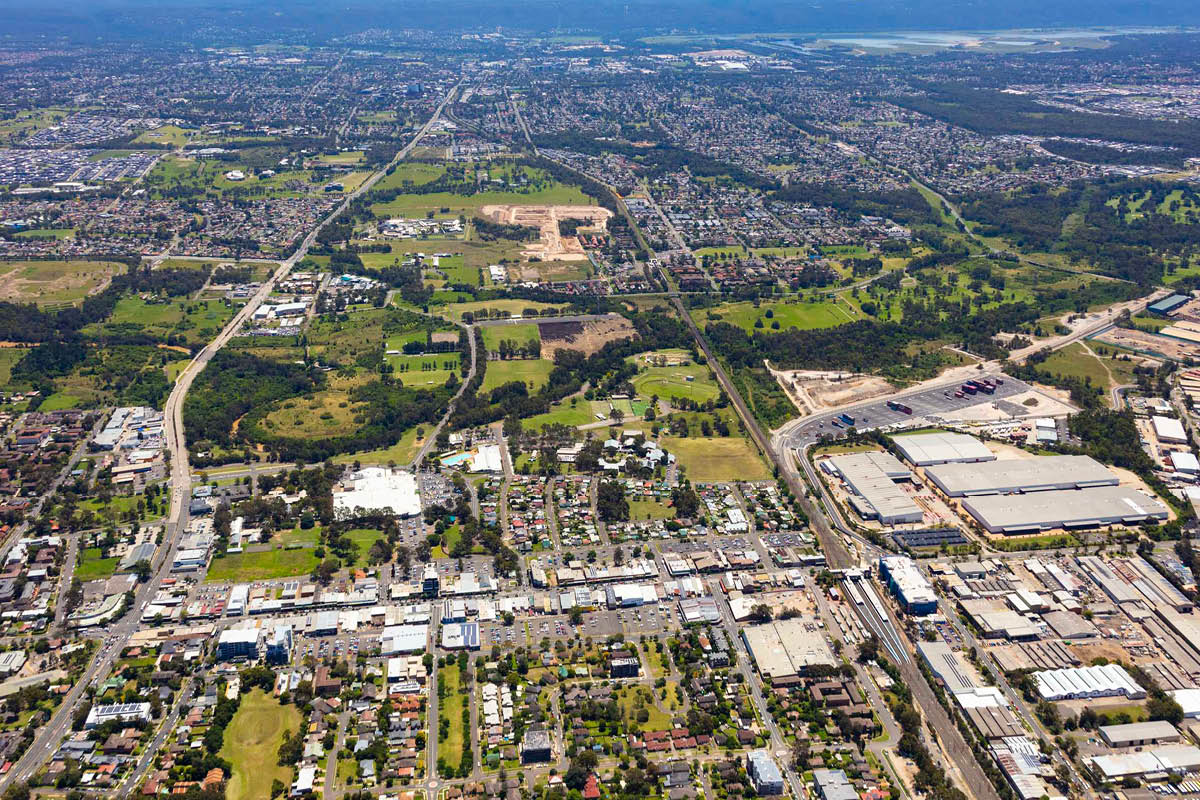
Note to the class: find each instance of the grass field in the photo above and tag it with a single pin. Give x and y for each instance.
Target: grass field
(54, 283)
(581, 413)
(534, 372)
(93, 566)
(60, 401)
(649, 509)
(317, 416)
(9, 356)
(37, 233)
(425, 371)
(514, 308)
(668, 382)
(251, 745)
(401, 452)
(450, 707)
(805, 316)
(262, 565)
(1077, 361)
(167, 134)
(520, 332)
(542, 190)
(713, 460)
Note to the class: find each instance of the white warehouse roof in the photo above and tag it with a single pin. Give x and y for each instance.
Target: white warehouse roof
(378, 488)
(925, 449)
(1021, 475)
(1169, 429)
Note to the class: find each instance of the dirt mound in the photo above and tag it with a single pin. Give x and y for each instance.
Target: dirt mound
(586, 337)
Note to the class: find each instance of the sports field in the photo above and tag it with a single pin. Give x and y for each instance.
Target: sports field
(519, 332)
(668, 382)
(252, 741)
(714, 460)
(533, 372)
(425, 371)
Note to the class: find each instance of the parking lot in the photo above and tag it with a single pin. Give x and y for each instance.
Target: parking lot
(929, 402)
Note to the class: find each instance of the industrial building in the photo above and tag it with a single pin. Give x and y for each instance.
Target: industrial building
(997, 621)
(1178, 759)
(236, 643)
(955, 672)
(788, 648)
(378, 489)
(1040, 474)
(1109, 680)
(928, 449)
(907, 583)
(764, 773)
(1136, 734)
(1169, 429)
(872, 477)
(1168, 304)
(1072, 508)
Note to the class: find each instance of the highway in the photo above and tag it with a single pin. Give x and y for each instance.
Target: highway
(46, 739)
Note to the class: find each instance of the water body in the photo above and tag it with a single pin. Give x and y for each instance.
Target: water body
(929, 40)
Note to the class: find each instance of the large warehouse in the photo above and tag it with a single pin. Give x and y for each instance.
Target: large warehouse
(1021, 475)
(787, 648)
(1109, 680)
(1071, 508)
(872, 478)
(927, 449)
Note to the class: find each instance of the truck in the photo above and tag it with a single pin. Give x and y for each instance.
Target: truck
(846, 418)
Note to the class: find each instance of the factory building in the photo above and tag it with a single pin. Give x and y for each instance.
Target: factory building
(378, 489)
(1136, 734)
(1109, 680)
(1168, 304)
(1169, 429)
(1041, 474)
(907, 583)
(1077, 508)
(872, 477)
(787, 648)
(1177, 758)
(928, 449)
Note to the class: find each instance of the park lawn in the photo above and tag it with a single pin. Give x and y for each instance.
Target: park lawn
(716, 460)
(805, 316)
(396, 341)
(649, 509)
(410, 173)
(457, 271)
(54, 283)
(93, 566)
(582, 412)
(262, 565)
(251, 745)
(450, 706)
(321, 415)
(346, 158)
(627, 699)
(519, 332)
(533, 372)
(668, 382)
(426, 371)
(1074, 361)
(363, 538)
(173, 368)
(499, 308)
(402, 452)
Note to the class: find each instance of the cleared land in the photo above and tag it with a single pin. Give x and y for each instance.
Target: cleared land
(251, 745)
(713, 460)
(53, 283)
(519, 332)
(533, 372)
(262, 565)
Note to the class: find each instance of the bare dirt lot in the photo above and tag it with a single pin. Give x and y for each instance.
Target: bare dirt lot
(814, 391)
(1148, 342)
(586, 337)
(553, 246)
(54, 282)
